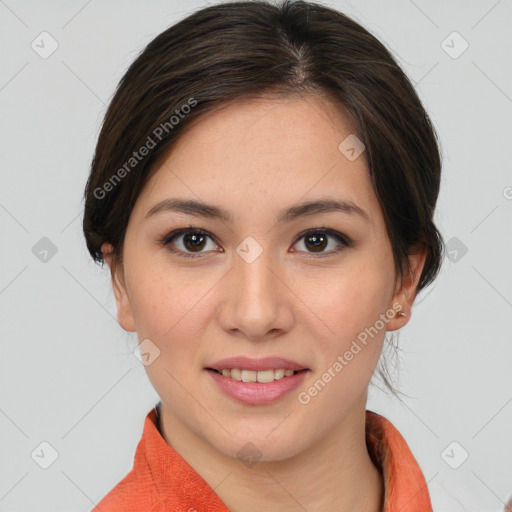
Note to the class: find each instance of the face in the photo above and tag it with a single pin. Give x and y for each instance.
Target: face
(303, 286)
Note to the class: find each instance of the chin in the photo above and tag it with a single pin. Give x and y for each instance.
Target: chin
(255, 448)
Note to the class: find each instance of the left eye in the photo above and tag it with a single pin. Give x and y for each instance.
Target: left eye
(318, 239)
(194, 240)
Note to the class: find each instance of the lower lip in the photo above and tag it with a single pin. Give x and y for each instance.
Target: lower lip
(258, 393)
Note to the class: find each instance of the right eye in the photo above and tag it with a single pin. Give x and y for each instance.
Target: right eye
(190, 240)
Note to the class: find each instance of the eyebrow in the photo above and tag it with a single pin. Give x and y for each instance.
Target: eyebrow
(200, 209)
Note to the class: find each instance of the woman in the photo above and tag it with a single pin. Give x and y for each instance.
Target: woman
(263, 190)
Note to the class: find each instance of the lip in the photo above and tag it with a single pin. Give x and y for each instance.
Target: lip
(257, 393)
(265, 363)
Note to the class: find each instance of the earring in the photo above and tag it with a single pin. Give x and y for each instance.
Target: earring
(400, 313)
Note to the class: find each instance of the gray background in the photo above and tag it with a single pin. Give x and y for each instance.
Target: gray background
(67, 375)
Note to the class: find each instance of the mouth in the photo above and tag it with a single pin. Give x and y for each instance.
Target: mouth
(248, 369)
(257, 381)
(256, 387)
(263, 376)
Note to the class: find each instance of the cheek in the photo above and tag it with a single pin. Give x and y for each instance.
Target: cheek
(165, 301)
(169, 313)
(347, 317)
(350, 349)
(350, 300)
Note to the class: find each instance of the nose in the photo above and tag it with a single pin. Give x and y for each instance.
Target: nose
(256, 299)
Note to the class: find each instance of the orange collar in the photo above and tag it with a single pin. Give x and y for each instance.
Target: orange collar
(161, 480)
(405, 486)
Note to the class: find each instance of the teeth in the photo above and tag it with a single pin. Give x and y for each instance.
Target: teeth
(256, 376)
(278, 374)
(249, 376)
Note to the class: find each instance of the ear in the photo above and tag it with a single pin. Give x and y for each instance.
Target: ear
(124, 308)
(406, 291)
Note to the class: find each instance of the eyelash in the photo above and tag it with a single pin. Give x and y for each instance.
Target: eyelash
(167, 239)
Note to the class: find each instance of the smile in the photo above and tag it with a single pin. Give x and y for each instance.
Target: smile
(244, 386)
(263, 376)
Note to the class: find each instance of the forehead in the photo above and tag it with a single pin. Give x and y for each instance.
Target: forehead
(264, 152)
(281, 128)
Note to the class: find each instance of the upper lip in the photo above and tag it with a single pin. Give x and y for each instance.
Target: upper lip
(264, 363)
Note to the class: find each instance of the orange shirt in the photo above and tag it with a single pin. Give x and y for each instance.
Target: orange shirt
(162, 481)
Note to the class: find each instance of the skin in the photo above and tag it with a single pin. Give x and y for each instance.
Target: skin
(256, 158)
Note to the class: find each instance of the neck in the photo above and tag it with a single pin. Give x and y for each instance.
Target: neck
(336, 473)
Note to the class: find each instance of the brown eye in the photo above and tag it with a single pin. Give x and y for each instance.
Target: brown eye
(194, 241)
(189, 242)
(317, 241)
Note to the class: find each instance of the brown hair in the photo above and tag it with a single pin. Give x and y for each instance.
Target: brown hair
(238, 50)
